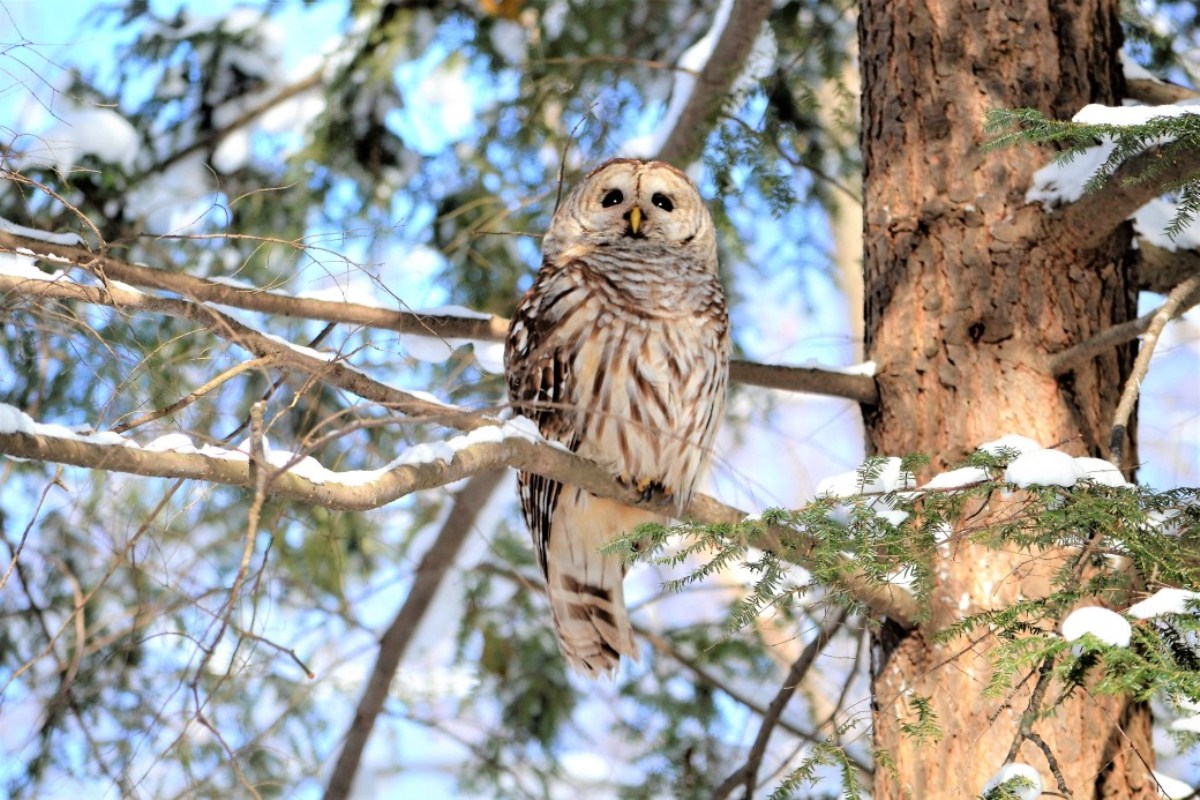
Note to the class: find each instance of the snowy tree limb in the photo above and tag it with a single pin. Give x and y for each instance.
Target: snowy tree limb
(396, 639)
(1092, 217)
(358, 492)
(860, 388)
(728, 56)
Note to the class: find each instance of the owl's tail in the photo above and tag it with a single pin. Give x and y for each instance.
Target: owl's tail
(586, 586)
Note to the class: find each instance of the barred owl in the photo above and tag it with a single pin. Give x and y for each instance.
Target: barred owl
(620, 352)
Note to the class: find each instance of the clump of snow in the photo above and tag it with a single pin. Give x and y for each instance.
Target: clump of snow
(956, 478)
(1164, 601)
(23, 266)
(1031, 789)
(1043, 468)
(866, 368)
(1172, 788)
(1151, 222)
(1107, 626)
(1128, 116)
(14, 420)
(1097, 470)
(1061, 182)
(1011, 441)
(171, 442)
(889, 478)
(489, 355)
(1135, 71)
(80, 132)
(68, 239)
(1187, 725)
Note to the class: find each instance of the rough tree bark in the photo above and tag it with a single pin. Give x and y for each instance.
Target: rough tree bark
(968, 292)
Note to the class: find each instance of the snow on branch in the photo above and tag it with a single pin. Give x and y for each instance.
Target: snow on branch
(492, 445)
(452, 327)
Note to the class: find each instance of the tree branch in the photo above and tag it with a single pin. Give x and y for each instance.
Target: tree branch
(360, 491)
(1161, 270)
(1063, 362)
(728, 57)
(326, 367)
(1157, 93)
(428, 577)
(747, 775)
(1094, 216)
(859, 388)
(1141, 366)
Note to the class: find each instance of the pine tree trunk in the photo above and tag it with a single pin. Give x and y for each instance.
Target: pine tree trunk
(968, 289)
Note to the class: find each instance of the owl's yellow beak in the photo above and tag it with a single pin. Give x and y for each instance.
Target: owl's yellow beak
(635, 218)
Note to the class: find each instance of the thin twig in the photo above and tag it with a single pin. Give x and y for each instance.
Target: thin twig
(1142, 365)
(193, 396)
(747, 775)
(1052, 761)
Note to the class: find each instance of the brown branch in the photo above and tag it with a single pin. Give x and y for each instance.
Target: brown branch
(860, 388)
(1157, 93)
(478, 456)
(331, 371)
(747, 775)
(1094, 216)
(428, 577)
(1141, 366)
(728, 57)
(1063, 362)
(1161, 270)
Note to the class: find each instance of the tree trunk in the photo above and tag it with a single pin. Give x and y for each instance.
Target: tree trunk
(968, 289)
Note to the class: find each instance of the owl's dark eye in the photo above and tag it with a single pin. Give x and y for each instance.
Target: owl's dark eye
(662, 201)
(613, 197)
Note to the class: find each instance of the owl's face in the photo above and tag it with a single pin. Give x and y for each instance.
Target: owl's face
(630, 205)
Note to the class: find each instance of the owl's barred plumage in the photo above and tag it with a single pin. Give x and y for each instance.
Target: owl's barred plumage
(620, 352)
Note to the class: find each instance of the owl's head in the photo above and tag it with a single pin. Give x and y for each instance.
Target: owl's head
(633, 206)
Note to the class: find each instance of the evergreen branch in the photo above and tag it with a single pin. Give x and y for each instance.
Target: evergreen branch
(1091, 218)
(831, 382)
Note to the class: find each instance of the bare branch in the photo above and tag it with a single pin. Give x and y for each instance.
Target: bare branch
(1157, 93)
(329, 370)
(1141, 366)
(728, 57)
(436, 561)
(1094, 216)
(1161, 270)
(747, 775)
(1063, 362)
(859, 388)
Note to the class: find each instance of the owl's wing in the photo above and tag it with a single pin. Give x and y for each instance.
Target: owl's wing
(538, 367)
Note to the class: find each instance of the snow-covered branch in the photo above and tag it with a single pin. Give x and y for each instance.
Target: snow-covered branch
(1094, 216)
(477, 327)
(492, 445)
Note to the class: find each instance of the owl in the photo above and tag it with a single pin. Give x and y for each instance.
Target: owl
(619, 352)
